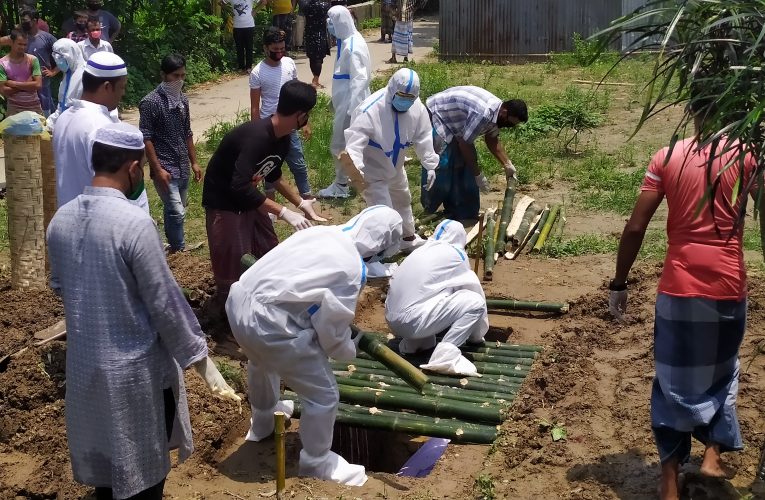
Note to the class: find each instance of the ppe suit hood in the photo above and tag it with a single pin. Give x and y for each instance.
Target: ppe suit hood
(70, 88)
(342, 21)
(376, 229)
(404, 80)
(71, 53)
(451, 232)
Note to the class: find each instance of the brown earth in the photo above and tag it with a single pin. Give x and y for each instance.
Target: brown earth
(593, 379)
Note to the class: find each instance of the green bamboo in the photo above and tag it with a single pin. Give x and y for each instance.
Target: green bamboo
(484, 368)
(488, 260)
(432, 406)
(395, 363)
(504, 219)
(507, 345)
(527, 305)
(428, 218)
(454, 430)
(546, 229)
(500, 352)
(531, 212)
(497, 369)
(494, 358)
(540, 225)
(467, 383)
(247, 261)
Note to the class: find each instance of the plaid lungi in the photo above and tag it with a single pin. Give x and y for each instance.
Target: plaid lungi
(696, 344)
(403, 38)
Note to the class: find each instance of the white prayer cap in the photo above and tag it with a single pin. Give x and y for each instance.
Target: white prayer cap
(120, 135)
(106, 65)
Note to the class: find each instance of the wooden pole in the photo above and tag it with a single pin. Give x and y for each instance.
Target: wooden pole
(479, 239)
(280, 453)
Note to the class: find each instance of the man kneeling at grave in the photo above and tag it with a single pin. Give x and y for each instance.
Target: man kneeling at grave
(434, 290)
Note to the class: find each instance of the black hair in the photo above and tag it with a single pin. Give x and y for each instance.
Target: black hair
(32, 13)
(17, 33)
(272, 34)
(172, 62)
(296, 97)
(81, 13)
(94, 19)
(517, 108)
(91, 83)
(109, 159)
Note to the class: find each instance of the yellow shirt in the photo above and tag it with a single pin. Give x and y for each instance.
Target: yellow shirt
(281, 7)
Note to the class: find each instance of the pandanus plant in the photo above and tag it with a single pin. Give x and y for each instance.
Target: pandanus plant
(710, 59)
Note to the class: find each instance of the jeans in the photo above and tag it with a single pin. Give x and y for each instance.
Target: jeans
(296, 163)
(243, 42)
(174, 202)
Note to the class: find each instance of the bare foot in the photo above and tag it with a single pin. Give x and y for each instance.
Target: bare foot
(713, 466)
(392, 60)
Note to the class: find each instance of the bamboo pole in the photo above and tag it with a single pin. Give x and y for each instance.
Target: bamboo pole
(497, 369)
(247, 261)
(515, 347)
(466, 383)
(483, 368)
(433, 406)
(540, 224)
(546, 229)
(532, 211)
(488, 259)
(499, 352)
(480, 236)
(497, 359)
(527, 305)
(504, 219)
(280, 453)
(395, 363)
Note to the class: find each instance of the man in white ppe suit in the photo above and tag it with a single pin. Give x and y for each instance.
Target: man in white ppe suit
(289, 319)
(434, 290)
(350, 86)
(382, 127)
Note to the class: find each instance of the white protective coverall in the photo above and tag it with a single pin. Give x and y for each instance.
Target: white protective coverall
(350, 81)
(290, 311)
(70, 88)
(434, 290)
(378, 137)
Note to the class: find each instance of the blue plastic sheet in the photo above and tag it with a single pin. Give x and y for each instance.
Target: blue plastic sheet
(25, 123)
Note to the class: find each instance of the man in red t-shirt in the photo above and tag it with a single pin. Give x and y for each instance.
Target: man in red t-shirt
(701, 304)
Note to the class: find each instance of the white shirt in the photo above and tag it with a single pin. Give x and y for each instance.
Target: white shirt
(269, 79)
(242, 13)
(73, 146)
(88, 49)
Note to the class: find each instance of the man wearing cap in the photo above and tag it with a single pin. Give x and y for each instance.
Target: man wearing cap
(130, 331)
(103, 85)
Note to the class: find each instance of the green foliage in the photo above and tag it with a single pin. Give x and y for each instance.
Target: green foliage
(585, 53)
(485, 486)
(607, 182)
(215, 134)
(654, 245)
(371, 23)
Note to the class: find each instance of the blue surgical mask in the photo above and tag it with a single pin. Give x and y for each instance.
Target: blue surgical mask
(331, 28)
(402, 104)
(61, 63)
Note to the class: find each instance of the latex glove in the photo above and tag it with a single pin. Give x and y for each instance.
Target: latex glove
(207, 370)
(294, 219)
(510, 171)
(307, 207)
(617, 303)
(430, 180)
(483, 183)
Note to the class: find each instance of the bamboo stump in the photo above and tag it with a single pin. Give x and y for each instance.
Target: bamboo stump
(48, 181)
(26, 229)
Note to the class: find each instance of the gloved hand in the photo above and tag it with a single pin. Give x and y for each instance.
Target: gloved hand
(307, 207)
(510, 171)
(295, 219)
(430, 180)
(617, 300)
(207, 370)
(483, 183)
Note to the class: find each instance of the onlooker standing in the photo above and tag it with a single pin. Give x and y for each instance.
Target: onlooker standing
(20, 77)
(244, 28)
(166, 126)
(40, 44)
(403, 40)
(701, 303)
(110, 25)
(130, 331)
(266, 81)
(94, 43)
(282, 18)
(80, 31)
(387, 20)
(315, 35)
(237, 214)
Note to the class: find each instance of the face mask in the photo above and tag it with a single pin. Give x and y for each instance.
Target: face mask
(61, 62)
(134, 194)
(331, 28)
(26, 26)
(402, 104)
(95, 34)
(173, 88)
(275, 56)
(82, 26)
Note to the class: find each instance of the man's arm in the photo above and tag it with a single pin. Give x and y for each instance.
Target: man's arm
(469, 155)
(634, 232)
(496, 149)
(287, 191)
(33, 85)
(255, 104)
(112, 22)
(193, 158)
(147, 124)
(5, 41)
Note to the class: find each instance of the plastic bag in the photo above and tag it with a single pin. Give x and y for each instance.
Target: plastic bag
(24, 124)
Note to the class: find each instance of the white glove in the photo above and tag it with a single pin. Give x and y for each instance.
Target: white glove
(430, 180)
(510, 171)
(295, 219)
(617, 303)
(483, 183)
(307, 207)
(207, 370)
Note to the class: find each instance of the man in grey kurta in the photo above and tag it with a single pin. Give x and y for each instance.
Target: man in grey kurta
(129, 329)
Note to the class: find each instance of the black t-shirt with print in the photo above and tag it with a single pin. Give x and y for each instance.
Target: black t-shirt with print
(247, 154)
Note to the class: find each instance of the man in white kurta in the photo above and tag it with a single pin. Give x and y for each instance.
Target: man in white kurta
(129, 331)
(432, 291)
(382, 128)
(103, 82)
(292, 310)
